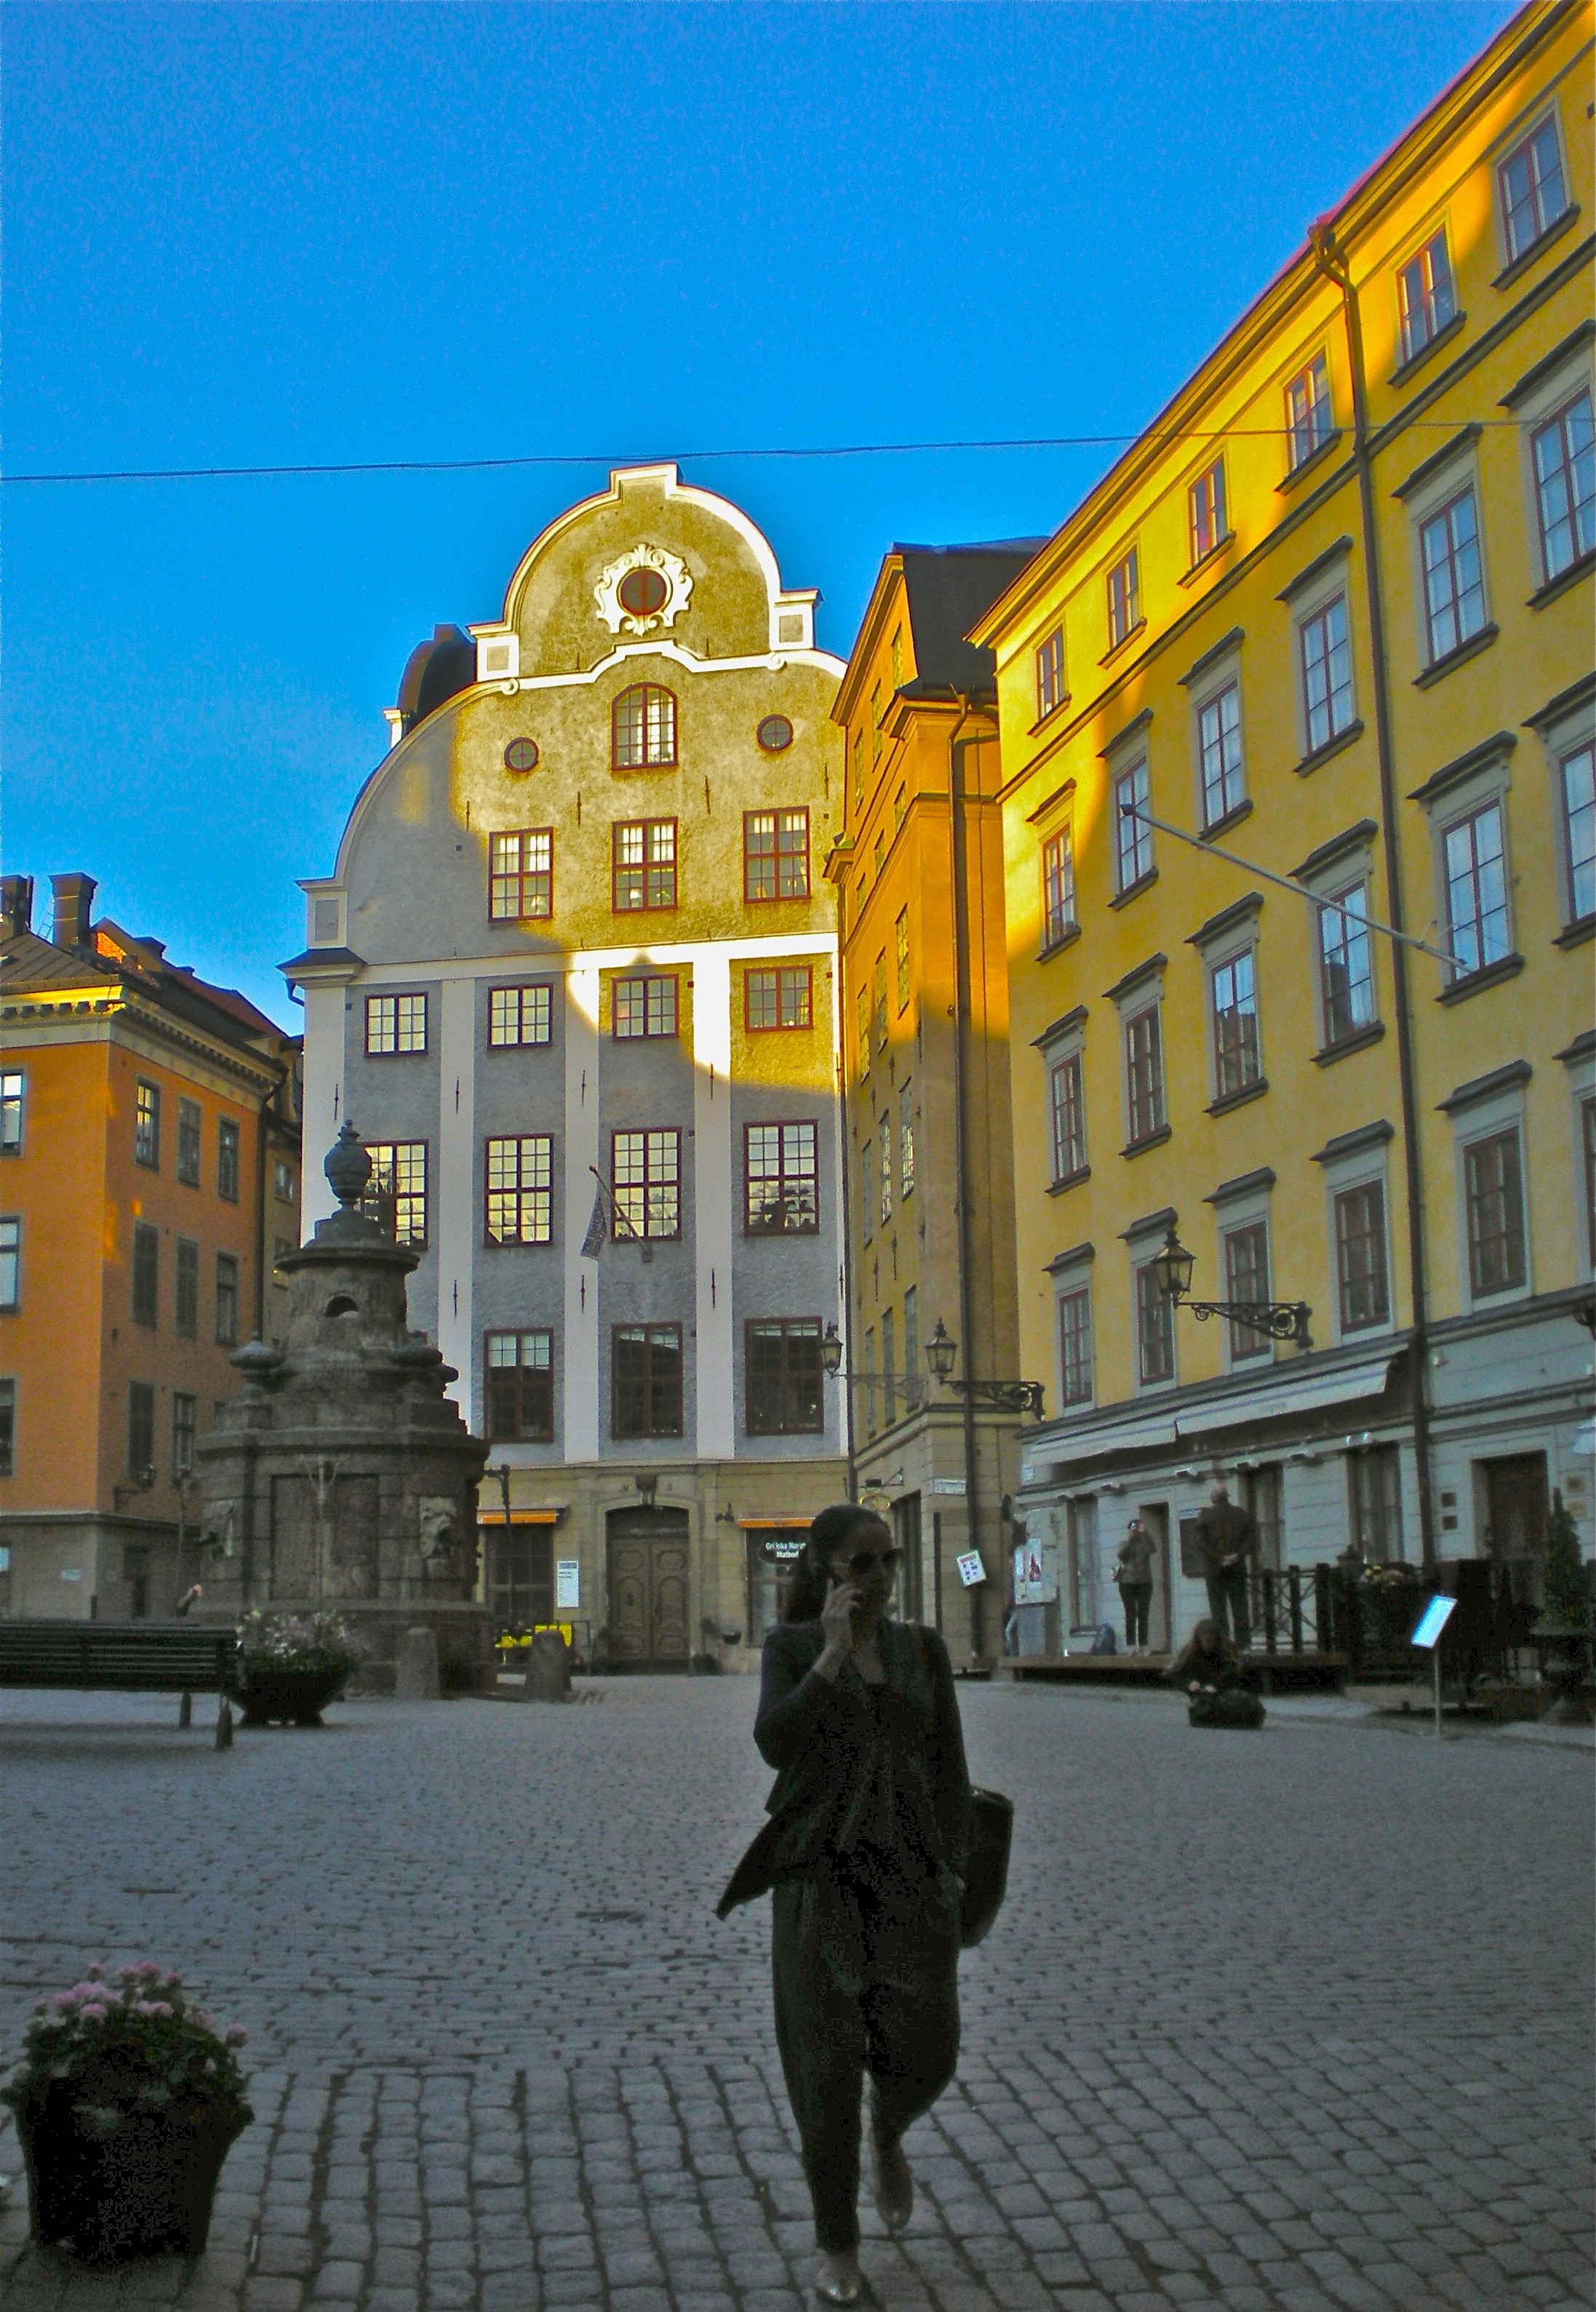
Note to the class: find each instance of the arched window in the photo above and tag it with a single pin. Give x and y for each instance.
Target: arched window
(643, 728)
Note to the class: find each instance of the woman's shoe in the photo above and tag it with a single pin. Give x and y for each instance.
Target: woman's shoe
(838, 2286)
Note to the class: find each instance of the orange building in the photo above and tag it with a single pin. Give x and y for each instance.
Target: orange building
(148, 1165)
(918, 872)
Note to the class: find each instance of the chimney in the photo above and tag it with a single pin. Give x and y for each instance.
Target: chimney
(74, 897)
(16, 904)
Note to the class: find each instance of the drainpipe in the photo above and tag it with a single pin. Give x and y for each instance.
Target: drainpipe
(978, 1618)
(1334, 263)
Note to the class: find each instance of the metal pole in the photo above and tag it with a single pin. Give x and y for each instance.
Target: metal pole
(1336, 266)
(1435, 1656)
(961, 986)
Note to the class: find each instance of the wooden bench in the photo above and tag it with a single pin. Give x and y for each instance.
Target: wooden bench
(125, 1658)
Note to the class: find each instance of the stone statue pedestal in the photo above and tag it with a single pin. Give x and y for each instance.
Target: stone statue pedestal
(341, 1478)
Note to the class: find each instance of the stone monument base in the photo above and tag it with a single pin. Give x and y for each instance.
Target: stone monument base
(463, 1631)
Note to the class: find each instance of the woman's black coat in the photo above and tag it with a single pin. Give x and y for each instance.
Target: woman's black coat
(818, 1733)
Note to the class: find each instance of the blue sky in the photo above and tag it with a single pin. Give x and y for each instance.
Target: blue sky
(326, 234)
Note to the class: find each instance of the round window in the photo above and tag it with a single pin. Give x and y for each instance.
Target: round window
(522, 755)
(642, 592)
(774, 733)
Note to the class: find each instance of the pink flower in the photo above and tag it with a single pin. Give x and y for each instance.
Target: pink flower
(94, 2013)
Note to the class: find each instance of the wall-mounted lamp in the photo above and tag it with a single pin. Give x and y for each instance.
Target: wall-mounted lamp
(646, 1489)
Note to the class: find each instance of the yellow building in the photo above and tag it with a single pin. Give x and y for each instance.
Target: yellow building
(575, 965)
(1314, 659)
(918, 871)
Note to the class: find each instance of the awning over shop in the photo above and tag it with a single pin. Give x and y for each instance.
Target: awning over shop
(776, 1525)
(1174, 1427)
(1280, 1399)
(521, 1517)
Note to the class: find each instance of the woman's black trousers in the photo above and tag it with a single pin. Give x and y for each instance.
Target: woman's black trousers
(867, 1969)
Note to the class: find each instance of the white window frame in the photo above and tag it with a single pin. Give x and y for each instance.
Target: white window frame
(1521, 137)
(1456, 477)
(1360, 1168)
(1145, 995)
(1487, 1119)
(1244, 1206)
(1582, 1088)
(1293, 463)
(1072, 1275)
(1122, 758)
(1490, 782)
(1551, 394)
(1224, 675)
(1566, 736)
(1311, 603)
(1409, 348)
(1350, 869)
(1051, 689)
(1221, 958)
(1057, 1050)
(1144, 1246)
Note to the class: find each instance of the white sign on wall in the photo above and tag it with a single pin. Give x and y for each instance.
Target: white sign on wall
(970, 1568)
(567, 1584)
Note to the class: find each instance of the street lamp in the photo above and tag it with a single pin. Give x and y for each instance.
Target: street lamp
(1022, 1397)
(831, 1349)
(1282, 1320)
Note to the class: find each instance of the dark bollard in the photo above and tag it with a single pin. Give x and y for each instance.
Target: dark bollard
(548, 1668)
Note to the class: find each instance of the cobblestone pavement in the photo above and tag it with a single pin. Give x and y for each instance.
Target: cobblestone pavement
(1289, 2022)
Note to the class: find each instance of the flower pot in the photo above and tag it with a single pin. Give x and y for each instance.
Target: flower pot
(142, 2187)
(269, 1697)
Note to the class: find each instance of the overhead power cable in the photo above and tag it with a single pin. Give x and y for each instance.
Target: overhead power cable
(682, 457)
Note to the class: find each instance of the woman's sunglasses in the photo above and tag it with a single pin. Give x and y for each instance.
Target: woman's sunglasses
(863, 1561)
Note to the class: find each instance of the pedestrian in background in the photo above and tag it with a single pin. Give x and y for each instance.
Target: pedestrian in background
(1133, 1573)
(1228, 1539)
(1210, 1670)
(864, 1855)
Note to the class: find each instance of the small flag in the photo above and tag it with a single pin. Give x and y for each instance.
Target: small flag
(598, 1228)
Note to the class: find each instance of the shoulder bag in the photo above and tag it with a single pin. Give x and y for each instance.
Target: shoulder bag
(991, 1835)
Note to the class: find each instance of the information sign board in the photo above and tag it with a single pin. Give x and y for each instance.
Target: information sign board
(1432, 1622)
(970, 1568)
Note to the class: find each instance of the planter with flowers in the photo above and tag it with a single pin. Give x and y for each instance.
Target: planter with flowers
(128, 2100)
(291, 1666)
(1390, 1597)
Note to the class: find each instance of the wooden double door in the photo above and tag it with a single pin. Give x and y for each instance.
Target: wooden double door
(650, 1589)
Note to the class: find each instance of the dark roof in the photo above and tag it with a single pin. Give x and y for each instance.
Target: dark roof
(948, 587)
(30, 965)
(436, 670)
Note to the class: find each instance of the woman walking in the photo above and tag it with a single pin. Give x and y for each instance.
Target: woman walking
(864, 1855)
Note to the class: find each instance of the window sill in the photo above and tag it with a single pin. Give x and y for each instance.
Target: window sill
(1051, 716)
(1056, 947)
(1070, 1180)
(1153, 1140)
(383, 1055)
(1115, 650)
(1314, 457)
(1134, 890)
(1254, 1090)
(1561, 583)
(1359, 1041)
(1206, 562)
(1492, 974)
(1222, 825)
(1575, 934)
(1527, 257)
(1347, 738)
(1441, 667)
(1416, 361)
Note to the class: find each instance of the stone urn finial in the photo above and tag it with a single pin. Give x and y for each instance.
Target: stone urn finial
(347, 1168)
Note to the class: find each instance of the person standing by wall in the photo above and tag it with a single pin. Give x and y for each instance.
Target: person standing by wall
(865, 1854)
(1228, 1539)
(1133, 1573)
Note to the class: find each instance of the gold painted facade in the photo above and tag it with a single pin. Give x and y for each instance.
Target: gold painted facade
(1397, 708)
(918, 874)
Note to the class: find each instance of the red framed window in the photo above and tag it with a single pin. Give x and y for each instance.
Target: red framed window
(645, 1381)
(643, 729)
(775, 854)
(782, 1367)
(780, 995)
(519, 1390)
(643, 1007)
(781, 1167)
(520, 875)
(520, 1190)
(646, 1181)
(643, 870)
